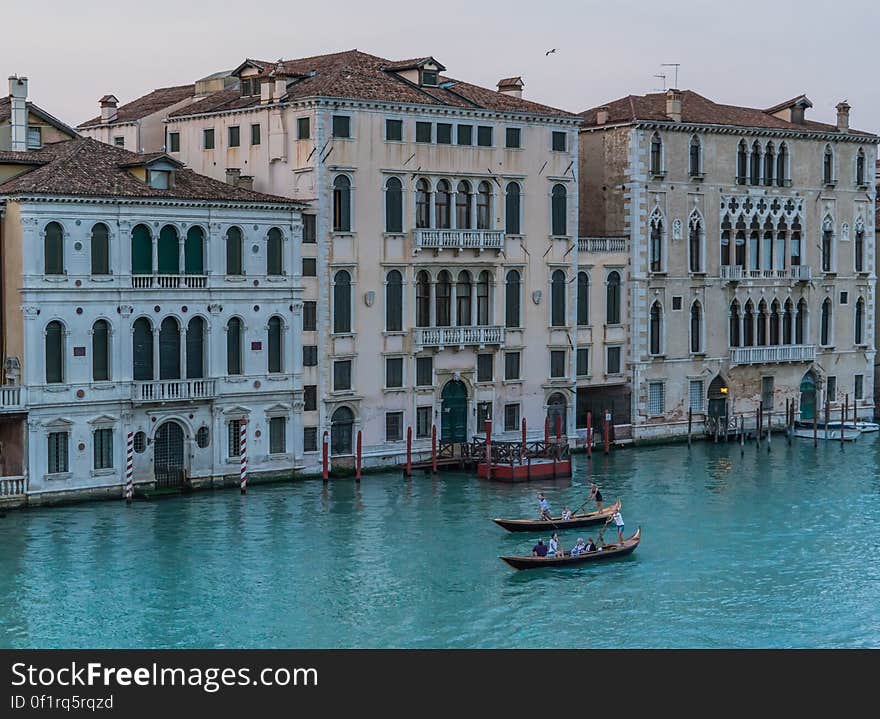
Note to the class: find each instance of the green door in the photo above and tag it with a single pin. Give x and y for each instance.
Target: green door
(453, 426)
(808, 397)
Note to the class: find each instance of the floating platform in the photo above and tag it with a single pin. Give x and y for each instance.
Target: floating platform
(537, 468)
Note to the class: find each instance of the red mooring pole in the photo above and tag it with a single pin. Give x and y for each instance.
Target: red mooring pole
(357, 469)
(488, 449)
(242, 450)
(558, 428)
(129, 468)
(589, 434)
(522, 449)
(409, 451)
(324, 469)
(607, 423)
(434, 448)
(546, 435)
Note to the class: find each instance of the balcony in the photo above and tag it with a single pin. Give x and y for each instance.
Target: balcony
(737, 273)
(11, 399)
(459, 239)
(772, 355)
(12, 487)
(458, 336)
(172, 390)
(615, 243)
(169, 282)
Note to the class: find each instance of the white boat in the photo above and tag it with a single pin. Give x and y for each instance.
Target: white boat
(831, 432)
(865, 427)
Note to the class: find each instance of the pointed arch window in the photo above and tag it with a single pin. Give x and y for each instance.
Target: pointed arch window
(54, 353)
(828, 166)
(142, 349)
(656, 155)
(696, 328)
(342, 302)
(775, 324)
(443, 300)
(195, 348)
(53, 249)
(101, 351)
(734, 333)
(275, 345)
(100, 249)
(767, 249)
(742, 162)
(441, 205)
(512, 299)
(795, 243)
(656, 228)
(234, 252)
(393, 205)
(782, 166)
(800, 325)
(423, 300)
(825, 327)
(762, 324)
(726, 259)
(827, 244)
(275, 252)
(696, 157)
(860, 168)
(341, 204)
(557, 299)
(754, 245)
(463, 299)
(483, 298)
(769, 163)
(463, 202)
(695, 243)
(612, 298)
(512, 209)
(423, 204)
(755, 165)
(394, 301)
(234, 340)
(740, 243)
(859, 246)
(559, 204)
(787, 323)
(860, 322)
(583, 299)
(779, 251)
(655, 329)
(484, 206)
(749, 325)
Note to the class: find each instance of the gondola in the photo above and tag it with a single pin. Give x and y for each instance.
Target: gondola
(557, 524)
(607, 552)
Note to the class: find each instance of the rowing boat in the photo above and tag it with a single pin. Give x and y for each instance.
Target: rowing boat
(608, 551)
(558, 523)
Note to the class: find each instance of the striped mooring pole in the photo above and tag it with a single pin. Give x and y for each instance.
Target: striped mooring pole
(129, 468)
(242, 450)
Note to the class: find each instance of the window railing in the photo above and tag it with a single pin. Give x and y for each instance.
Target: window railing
(458, 336)
(172, 390)
(735, 273)
(614, 243)
(772, 354)
(169, 282)
(11, 397)
(459, 239)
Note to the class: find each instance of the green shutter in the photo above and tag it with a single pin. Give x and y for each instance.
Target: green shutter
(142, 350)
(141, 251)
(100, 351)
(169, 251)
(193, 252)
(195, 351)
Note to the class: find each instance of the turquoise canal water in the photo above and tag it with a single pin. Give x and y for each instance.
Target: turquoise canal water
(767, 550)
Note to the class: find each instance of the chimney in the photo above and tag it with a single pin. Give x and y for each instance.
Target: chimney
(246, 182)
(843, 116)
(266, 87)
(280, 81)
(18, 90)
(797, 114)
(108, 105)
(673, 105)
(512, 86)
(232, 176)
(602, 115)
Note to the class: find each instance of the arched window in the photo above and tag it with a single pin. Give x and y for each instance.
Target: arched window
(423, 204)
(512, 299)
(463, 201)
(734, 333)
(195, 348)
(100, 253)
(423, 300)
(655, 335)
(168, 251)
(484, 206)
(443, 300)
(275, 252)
(234, 338)
(557, 299)
(393, 205)
(612, 298)
(342, 302)
(234, 252)
(742, 162)
(194, 251)
(726, 259)
(795, 244)
(860, 168)
(782, 165)
(656, 226)
(341, 426)
(583, 299)
(101, 351)
(559, 211)
(827, 244)
(825, 329)
(696, 164)
(828, 166)
(767, 249)
(800, 328)
(695, 242)
(441, 205)
(749, 325)
(557, 409)
(769, 163)
(755, 177)
(696, 328)
(754, 245)
(762, 324)
(656, 155)
(774, 323)
(739, 241)
(53, 249)
(512, 209)
(483, 299)
(463, 299)
(275, 345)
(341, 204)
(394, 301)
(860, 322)
(788, 323)
(142, 350)
(779, 252)
(859, 246)
(54, 353)
(169, 349)
(141, 251)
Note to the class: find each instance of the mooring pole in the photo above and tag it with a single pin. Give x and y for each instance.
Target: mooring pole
(242, 450)
(357, 468)
(522, 448)
(769, 427)
(815, 426)
(488, 426)
(742, 435)
(589, 435)
(845, 415)
(827, 415)
(324, 469)
(434, 448)
(758, 427)
(607, 438)
(546, 434)
(129, 468)
(409, 451)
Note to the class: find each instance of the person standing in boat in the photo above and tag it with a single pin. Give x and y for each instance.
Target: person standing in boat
(596, 495)
(617, 518)
(555, 550)
(543, 506)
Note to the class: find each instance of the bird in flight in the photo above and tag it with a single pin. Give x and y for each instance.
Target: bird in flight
(549, 52)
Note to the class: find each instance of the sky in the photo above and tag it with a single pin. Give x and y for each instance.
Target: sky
(750, 53)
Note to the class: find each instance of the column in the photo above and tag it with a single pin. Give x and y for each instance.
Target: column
(156, 373)
(155, 246)
(183, 372)
(453, 214)
(473, 210)
(181, 256)
(433, 304)
(432, 209)
(453, 309)
(474, 302)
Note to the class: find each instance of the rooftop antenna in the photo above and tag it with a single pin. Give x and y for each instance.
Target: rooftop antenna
(676, 65)
(663, 77)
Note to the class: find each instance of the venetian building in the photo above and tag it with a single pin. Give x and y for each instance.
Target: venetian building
(440, 255)
(751, 270)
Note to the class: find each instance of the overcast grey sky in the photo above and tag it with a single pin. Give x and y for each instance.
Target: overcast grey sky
(754, 52)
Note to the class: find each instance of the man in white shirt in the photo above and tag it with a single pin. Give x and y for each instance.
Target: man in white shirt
(618, 522)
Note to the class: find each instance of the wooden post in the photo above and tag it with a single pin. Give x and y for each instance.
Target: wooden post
(589, 435)
(758, 427)
(843, 420)
(690, 423)
(788, 419)
(522, 449)
(558, 429)
(434, 448)
(488, 449)
(606, 431)
(769, 428)
(409, 451)
(129, 468)
(742, 434)
(546, 435)
(815, 425)
(324, 468)
(827, 415)
(357, 470)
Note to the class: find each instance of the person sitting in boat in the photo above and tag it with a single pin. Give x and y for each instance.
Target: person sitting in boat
(566, 513)
(543, 506)
(555, 550)
(597, 496)
(590, 546)
(540, 549)
(579, 548)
